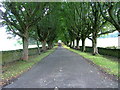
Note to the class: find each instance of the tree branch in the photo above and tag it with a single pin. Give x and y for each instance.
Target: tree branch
(111, 31)
(11, 29)
(106, 18)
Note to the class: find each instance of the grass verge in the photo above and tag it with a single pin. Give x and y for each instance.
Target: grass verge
(13, 70)
(109, 66)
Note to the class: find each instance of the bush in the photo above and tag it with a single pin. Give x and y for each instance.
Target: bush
(105, 51)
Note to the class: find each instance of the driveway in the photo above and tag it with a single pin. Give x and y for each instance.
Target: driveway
(63, 69)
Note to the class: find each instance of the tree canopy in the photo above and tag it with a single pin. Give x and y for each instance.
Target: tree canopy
(47, 22)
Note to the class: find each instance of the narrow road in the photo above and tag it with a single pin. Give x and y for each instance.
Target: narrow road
(63, 69)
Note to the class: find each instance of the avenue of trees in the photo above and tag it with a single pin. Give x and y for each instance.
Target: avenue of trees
(47, 22)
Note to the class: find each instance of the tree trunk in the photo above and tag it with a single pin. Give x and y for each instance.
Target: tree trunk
(38, 47)
(43, 45)
(94, 44)
(83, 45)
(77, 42)
(67, 43)
(73, 44)
(70, 44)
(25, 46)
(50, 45)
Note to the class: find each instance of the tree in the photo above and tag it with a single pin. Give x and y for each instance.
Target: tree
(20, 17)
(33, 34)
(98, 22)
(84, 20)
(82, 10)
(53, 24)
(72, 23)
(46, 29)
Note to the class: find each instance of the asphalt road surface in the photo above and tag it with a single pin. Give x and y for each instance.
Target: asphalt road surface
(63, 69)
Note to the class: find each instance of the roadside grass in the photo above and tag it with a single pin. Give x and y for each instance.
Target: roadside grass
(13, 70)
(109, 66)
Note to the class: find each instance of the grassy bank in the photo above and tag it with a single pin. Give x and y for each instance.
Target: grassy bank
(109, 66)
(13, 70)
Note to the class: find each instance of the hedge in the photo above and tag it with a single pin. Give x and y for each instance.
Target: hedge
(12, 55)
(105, 51)
(109, 52)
